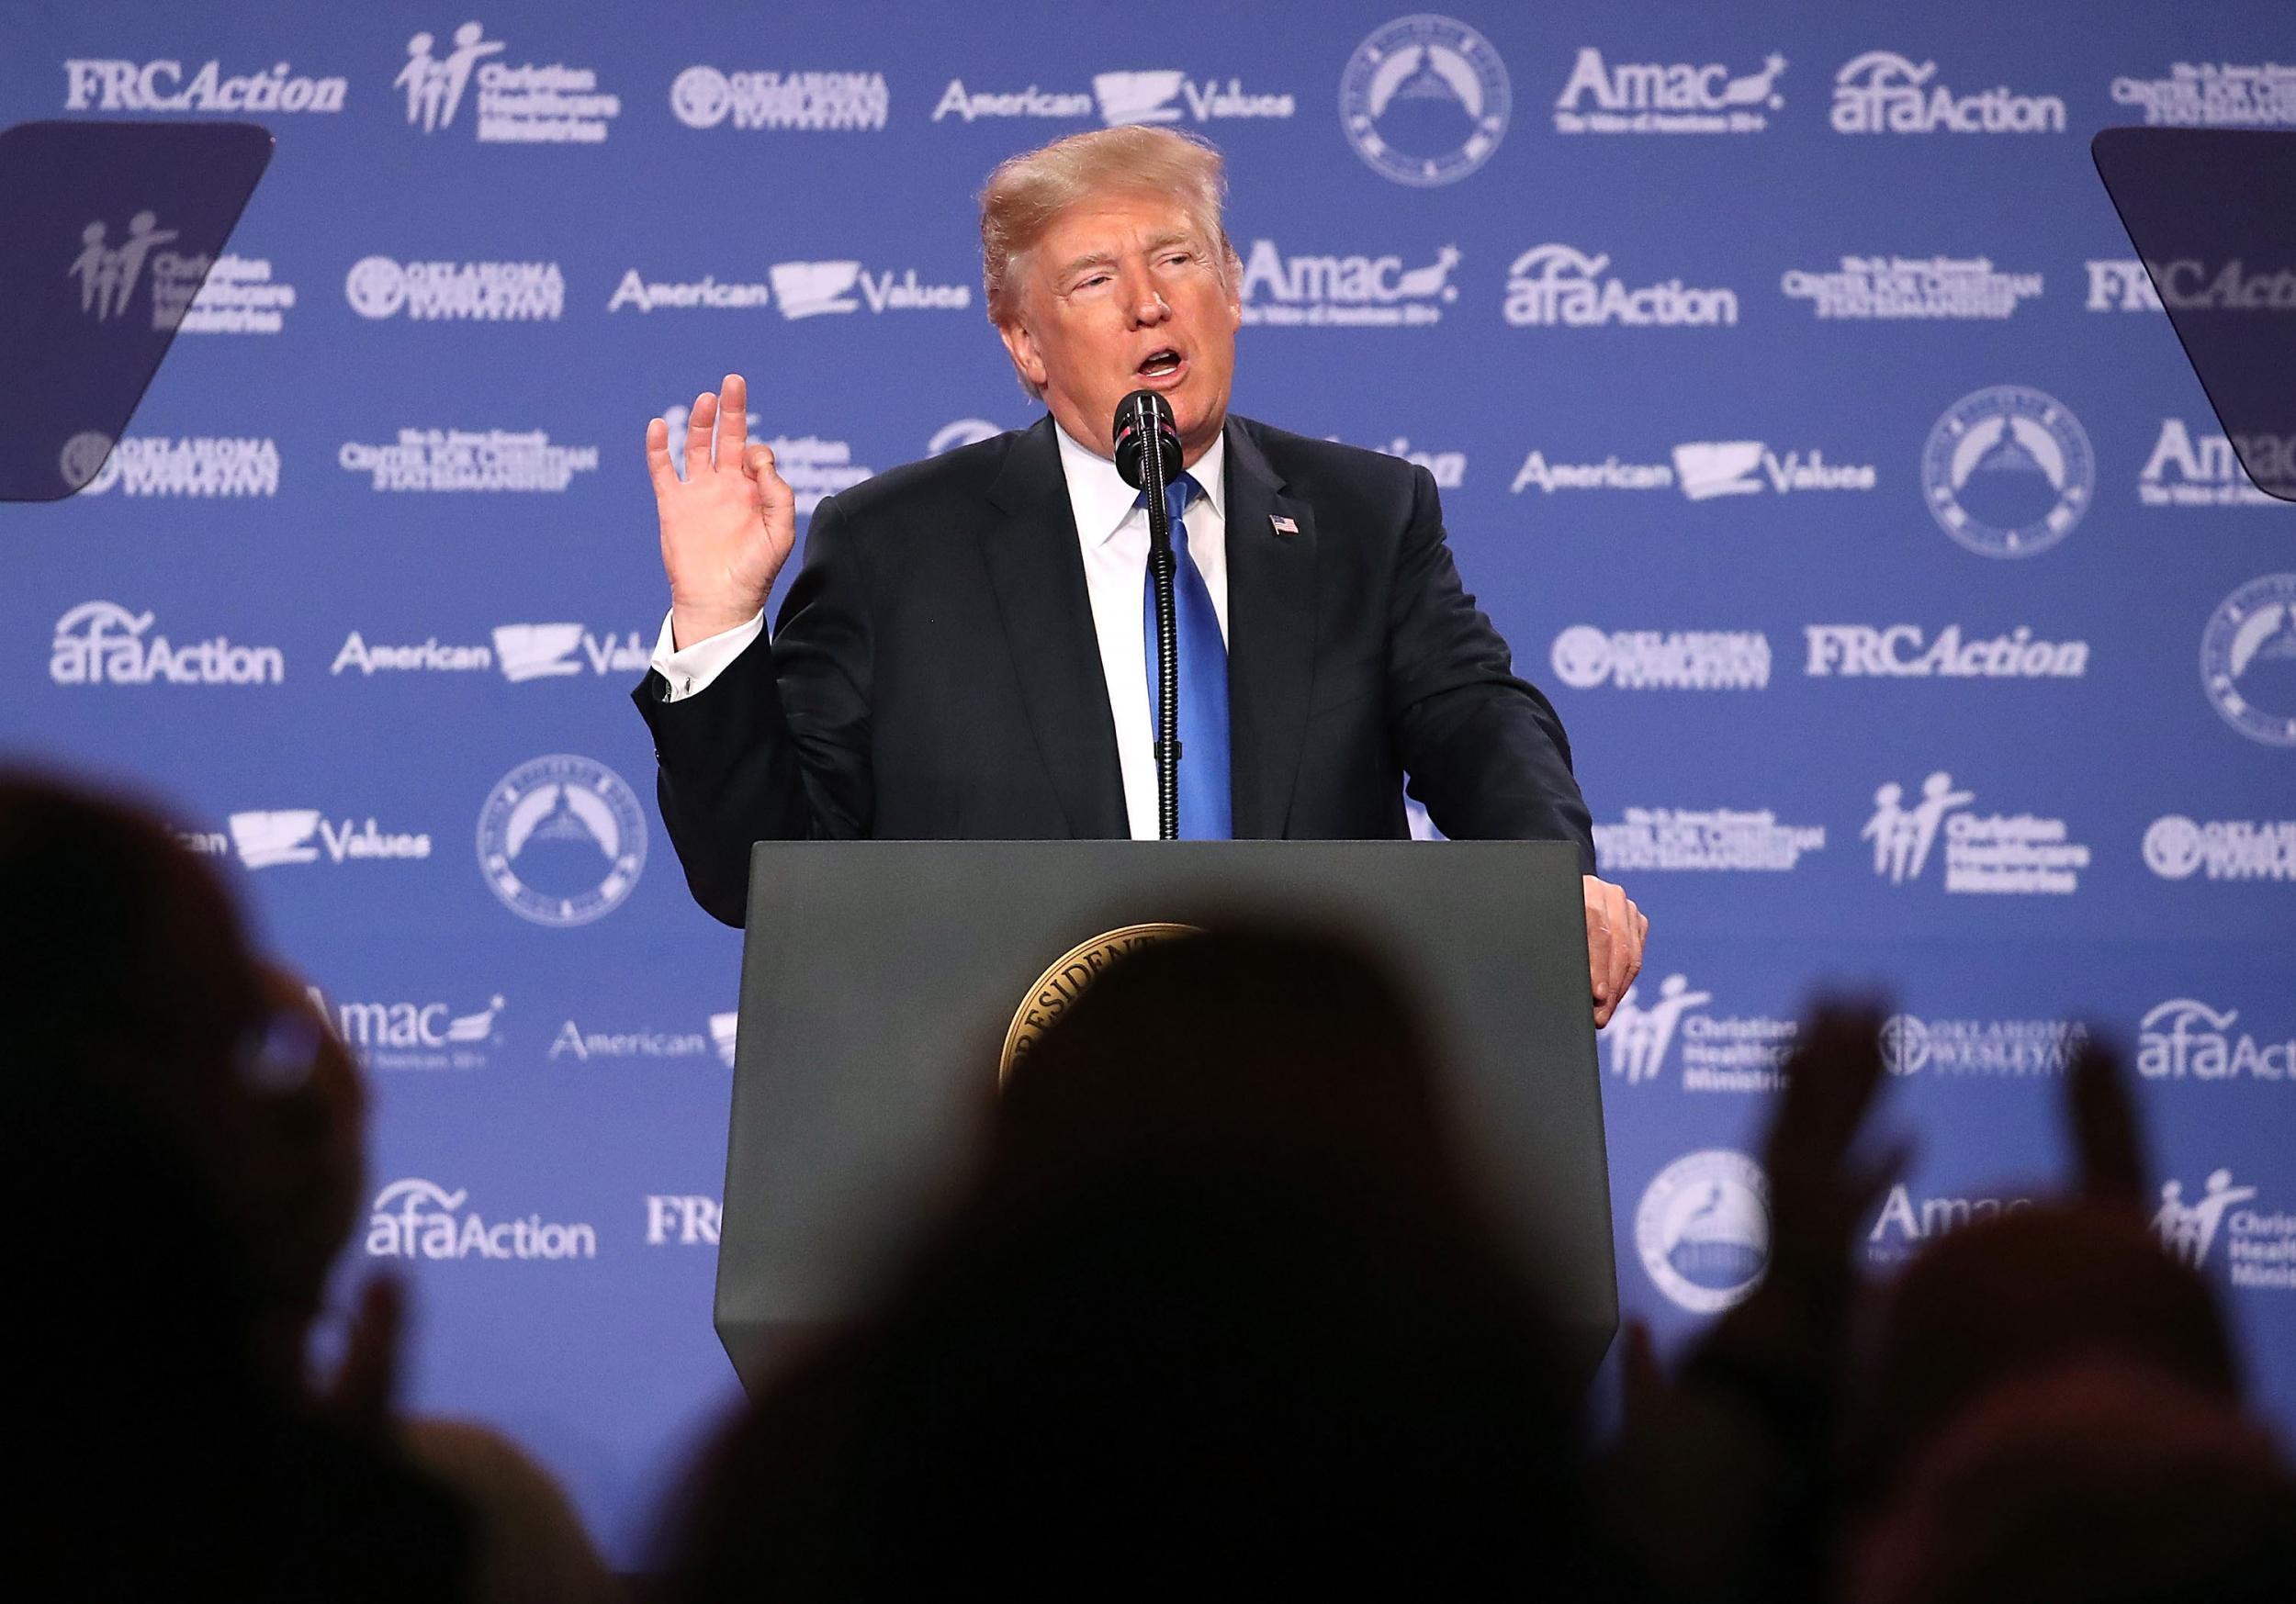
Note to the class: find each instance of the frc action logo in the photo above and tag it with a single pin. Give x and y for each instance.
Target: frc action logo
(1425, 100)
(96, 83)
(2008, 471)
(562, 840)
(2249, 659)
(1702, 1230)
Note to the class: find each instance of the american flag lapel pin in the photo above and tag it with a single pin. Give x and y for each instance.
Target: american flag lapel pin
(1281, 524)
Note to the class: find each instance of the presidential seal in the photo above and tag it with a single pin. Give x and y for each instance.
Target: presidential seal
(2249, 659)
(1057, 989)
(2008, 471)
(1702, 1230)
(562, 840)
(1424, 101)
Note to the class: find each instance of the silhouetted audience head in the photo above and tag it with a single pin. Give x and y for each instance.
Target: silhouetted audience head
(2022, 1295)
(1216, 1317)
(187, 1135)
(2102, 1482)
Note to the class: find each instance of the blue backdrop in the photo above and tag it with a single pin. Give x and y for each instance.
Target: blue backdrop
(1800, 412)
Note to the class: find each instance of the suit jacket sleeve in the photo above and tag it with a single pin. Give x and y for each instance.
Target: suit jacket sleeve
(1484, 751)
(777, 748)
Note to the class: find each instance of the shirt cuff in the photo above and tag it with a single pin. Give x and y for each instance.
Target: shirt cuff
(687, 671)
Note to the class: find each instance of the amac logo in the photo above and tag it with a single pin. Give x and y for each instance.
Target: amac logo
(1357, 290)
(412, 1035)
(415, 1219)
(2185, 1038)
(1677, 97)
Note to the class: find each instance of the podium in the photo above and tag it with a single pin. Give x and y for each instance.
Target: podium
(884, 982)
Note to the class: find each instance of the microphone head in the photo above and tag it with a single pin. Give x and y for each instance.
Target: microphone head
(1141, 417)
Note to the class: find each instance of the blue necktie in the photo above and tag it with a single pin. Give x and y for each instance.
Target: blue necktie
(1205, 812)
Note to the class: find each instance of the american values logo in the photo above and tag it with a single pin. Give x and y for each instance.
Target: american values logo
(1120, 98)
(524, 652)
(268, 838)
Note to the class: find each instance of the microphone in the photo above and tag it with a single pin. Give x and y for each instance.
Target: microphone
(1140, 417)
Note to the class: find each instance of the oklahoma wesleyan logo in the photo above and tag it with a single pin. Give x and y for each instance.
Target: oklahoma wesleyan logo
(1425, 100)
(2008, 471)
(562, 840)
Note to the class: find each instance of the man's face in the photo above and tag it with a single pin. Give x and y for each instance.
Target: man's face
(1123, 294)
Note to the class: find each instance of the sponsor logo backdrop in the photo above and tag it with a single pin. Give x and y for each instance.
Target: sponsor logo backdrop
(1801, 414)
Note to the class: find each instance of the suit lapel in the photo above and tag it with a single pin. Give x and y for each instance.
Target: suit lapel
(1038, 573)
(1271, 636)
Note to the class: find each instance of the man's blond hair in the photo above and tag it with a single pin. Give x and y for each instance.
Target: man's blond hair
(1026, 192)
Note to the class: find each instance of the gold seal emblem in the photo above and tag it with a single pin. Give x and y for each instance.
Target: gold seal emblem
(1057, 989)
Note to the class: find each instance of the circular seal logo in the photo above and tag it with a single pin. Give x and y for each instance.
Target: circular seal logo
(87, 463)
(375, 287)
(2172, 847)
(2249, 659)
(2007, 472)
(1703, 1229)
(1905, 1043)
(1425, 100)
(1057, 989)
(700, 97)
(1582, 657)
(562, 840)
(964, 431)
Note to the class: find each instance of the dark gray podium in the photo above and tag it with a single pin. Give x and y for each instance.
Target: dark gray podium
(879, 979)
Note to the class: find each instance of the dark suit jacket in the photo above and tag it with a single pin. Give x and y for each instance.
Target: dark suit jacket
(935, 674)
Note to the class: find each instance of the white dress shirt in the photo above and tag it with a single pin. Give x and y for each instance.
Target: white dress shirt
(1112, 534)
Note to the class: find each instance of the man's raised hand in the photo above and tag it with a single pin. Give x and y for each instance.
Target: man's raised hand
(727, 526)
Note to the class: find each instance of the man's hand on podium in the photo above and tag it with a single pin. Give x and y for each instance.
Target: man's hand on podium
(1614, 931)
(727, 526)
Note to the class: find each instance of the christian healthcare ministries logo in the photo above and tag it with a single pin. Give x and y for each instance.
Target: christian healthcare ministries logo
(1731, 1053)
(1425, 100)
(2249, 659)
(1653, 97)
(703, 98)
(1882, 92)
(562, 840)
(2008, 471)
(527, 105)
(2260, 1246)
(1984, 853)
(1703, 1229)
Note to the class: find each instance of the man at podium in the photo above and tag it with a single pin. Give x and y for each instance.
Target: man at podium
(967, 651)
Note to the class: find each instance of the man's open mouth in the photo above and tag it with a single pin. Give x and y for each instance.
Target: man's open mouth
(1161, 365)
